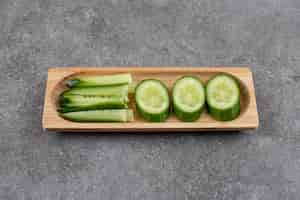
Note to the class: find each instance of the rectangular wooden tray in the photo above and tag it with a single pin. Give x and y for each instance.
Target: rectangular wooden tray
(248, 119)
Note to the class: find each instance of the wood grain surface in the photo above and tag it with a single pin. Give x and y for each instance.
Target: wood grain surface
(248, 119)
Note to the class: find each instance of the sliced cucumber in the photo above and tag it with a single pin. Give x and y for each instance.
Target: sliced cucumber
(223, 97)
(132, 86)
(130, 116)
(188, 98)
(117, 115)
(70, 103)
(118, 90)
(91, 81)
(152, 100)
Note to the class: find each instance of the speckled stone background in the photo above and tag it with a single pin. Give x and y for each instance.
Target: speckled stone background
(262, 164)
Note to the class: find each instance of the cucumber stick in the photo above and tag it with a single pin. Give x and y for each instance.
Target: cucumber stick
(70, 103)
(116, 115)
(223, 97)
(131, 87)
(105, 80)
(152, 100)
(118, 90)
(188, 96)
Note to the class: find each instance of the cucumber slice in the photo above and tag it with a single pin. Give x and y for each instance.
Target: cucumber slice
(130, 116)
(152, 100)
(71, 103)
(117, 115)
(132, 86)
(188, 98)
(223, 97)
(118, 90)
(91, 81)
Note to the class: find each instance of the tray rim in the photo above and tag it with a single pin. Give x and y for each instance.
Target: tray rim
(62, 72)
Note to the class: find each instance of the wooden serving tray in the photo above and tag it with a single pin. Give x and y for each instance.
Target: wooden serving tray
(248, 119)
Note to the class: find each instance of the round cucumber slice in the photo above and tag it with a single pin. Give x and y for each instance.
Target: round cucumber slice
(223, 97)
(188, 98)
(152, 100)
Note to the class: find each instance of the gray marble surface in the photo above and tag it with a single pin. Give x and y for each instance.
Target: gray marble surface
(262, 164)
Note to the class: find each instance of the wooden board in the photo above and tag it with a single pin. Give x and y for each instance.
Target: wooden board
(248, 118)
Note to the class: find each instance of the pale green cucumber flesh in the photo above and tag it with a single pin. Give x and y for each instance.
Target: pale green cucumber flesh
(132, 86)
(118, 90)
(152, 100)
(116, 115)
(188, 97)
(130, 115)
(223, 97)
(72, 103)
(104, 80)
